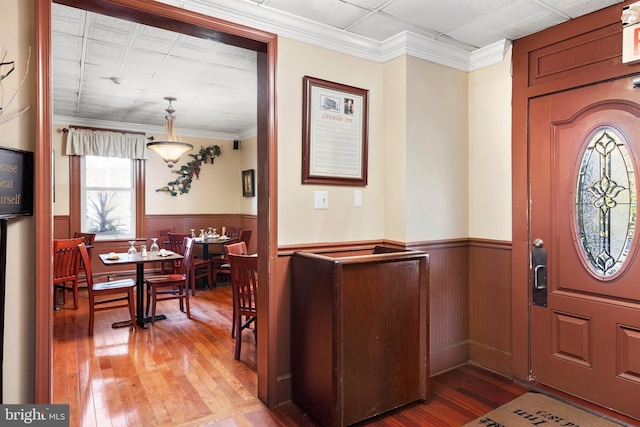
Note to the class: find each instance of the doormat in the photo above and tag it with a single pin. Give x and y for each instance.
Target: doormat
(536, 409)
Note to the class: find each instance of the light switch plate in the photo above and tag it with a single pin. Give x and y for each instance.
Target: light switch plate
(320, 200)
(357, 198)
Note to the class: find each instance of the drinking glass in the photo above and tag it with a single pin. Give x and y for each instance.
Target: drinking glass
(202, 235)
(193, 233)
(154, 246)
(132, 249)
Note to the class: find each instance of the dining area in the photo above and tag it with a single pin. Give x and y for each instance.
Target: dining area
(152, 360)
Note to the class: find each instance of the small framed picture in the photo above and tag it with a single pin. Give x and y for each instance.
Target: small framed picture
(248, 183)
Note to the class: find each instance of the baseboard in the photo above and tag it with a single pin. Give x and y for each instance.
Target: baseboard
(490, 358)
(444, 359)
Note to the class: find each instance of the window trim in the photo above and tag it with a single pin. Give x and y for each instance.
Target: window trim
(75, 196)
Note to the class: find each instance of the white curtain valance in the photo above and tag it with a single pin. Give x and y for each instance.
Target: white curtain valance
(85, 142)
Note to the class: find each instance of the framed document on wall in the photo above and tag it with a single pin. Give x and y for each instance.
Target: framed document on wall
(335, 123)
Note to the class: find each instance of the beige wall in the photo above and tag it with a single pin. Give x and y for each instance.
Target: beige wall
(437, 152)
(490, 151)
(426, 145)
(249, 160)
(218, 190)
(395, 149)
(298, 221)
(16, 36)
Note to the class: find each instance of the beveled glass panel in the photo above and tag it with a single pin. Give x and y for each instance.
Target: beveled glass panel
(605, 203)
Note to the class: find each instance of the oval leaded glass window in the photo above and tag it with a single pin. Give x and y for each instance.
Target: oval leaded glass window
(606, 203)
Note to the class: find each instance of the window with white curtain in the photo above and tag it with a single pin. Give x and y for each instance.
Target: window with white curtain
(107, 182)
(108, 197)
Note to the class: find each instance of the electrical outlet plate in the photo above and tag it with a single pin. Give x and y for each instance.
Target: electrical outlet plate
(320, 200)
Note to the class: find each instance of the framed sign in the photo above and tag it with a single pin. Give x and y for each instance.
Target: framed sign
(16, 182)
(335, 123)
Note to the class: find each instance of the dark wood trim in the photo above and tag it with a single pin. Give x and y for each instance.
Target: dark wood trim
(74, 194)
(267, 233)
(490, 244)
(331, 247)
(490, 336)
(438, 244)
(43, 201)
(188, 22)
(141, 198)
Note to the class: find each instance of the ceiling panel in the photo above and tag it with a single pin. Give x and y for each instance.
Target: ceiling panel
(111, 69)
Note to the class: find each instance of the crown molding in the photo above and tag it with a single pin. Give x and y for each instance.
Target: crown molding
(408, 43)
(264, 18)
(489, 55)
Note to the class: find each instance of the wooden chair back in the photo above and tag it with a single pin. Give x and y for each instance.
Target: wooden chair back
(231, 231)
(89, 240)
(244, 281)
(176, 244)
(239, 248)
(187, 253)
(163, 240)
(111, 294)
(66, 265)
(172, 286)
(245, 236)
(163, 237)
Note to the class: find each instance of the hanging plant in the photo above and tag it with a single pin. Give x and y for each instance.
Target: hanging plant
(182, 184)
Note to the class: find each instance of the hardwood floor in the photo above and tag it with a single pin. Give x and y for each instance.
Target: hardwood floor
(181, 372)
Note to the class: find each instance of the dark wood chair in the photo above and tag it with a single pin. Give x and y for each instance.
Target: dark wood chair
(221, 264)
(107, 295)
(231, 231)
(172, 286)
(199, 267)
(245, 236)
(163, 242)
(66, 264)
(89, 240)
(244, 280)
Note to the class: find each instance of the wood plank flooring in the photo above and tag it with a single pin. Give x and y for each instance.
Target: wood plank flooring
(181, 372)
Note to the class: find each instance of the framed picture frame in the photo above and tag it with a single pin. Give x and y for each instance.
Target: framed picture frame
(335, 133)
(248, 183)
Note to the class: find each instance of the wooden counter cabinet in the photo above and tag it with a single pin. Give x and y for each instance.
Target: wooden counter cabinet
(360, 334)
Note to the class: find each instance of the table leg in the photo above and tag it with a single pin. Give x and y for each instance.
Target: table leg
(140, 295)
(140, 290)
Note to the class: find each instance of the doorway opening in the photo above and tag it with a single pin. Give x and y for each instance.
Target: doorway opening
(183, 21)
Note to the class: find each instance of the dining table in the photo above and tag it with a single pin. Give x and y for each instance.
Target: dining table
(139, 260)
(216, 242)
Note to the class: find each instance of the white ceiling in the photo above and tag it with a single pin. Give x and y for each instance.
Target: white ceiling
(215, 84)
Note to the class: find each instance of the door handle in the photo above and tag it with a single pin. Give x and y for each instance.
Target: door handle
(540, 282)
(539, 273)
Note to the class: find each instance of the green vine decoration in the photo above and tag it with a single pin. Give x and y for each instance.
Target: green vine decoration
(182, 184)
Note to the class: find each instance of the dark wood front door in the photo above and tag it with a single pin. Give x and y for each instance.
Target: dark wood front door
(584, 149)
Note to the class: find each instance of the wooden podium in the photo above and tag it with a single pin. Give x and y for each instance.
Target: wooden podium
(360, 334)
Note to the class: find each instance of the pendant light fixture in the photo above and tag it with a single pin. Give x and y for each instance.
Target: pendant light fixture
(171, 148)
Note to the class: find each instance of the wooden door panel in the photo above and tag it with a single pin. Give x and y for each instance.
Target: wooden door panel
(586, 341)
